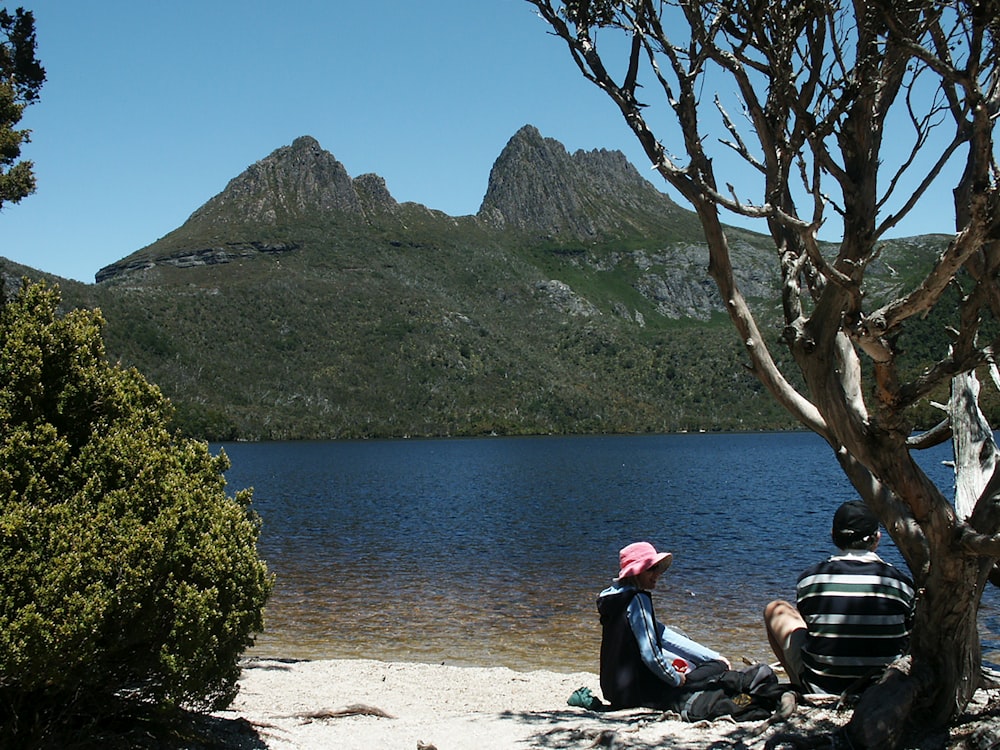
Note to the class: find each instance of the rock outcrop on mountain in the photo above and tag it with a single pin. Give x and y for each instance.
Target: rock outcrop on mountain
(295, 182)
(196, 256)
(536, 185)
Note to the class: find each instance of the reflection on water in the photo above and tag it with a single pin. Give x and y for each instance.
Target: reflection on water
(491, 551)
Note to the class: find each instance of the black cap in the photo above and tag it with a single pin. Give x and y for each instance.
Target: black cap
(853, 522)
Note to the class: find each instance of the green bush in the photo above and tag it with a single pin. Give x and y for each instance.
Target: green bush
(127, 576)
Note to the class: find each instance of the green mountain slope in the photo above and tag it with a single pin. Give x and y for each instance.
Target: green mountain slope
(302, 303)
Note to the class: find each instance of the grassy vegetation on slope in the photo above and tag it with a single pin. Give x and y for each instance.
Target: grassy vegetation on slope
(429, 325)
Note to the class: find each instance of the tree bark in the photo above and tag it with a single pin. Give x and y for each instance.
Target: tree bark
(975, 449)
(883, 713)
(946, 637)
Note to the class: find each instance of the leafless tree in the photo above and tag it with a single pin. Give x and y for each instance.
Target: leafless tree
(823, 89)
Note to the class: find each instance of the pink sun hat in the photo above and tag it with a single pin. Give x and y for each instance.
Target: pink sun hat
(639, 557)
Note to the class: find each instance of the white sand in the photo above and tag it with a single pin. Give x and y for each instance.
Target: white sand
(292, 705)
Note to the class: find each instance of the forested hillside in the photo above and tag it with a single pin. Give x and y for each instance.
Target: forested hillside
(303, 303)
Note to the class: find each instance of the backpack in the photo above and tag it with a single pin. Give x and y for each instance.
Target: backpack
(749, 694)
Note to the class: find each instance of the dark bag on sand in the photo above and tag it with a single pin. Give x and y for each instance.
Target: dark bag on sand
(712, 690)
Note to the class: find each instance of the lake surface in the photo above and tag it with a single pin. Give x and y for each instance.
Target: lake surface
(491, 551)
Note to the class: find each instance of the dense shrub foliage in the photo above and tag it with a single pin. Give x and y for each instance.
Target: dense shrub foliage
(127, 575)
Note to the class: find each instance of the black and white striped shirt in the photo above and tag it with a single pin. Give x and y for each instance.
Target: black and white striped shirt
(858, 610)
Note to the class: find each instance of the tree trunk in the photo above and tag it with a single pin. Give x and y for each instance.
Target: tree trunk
(934, 684)
(885, 709)
(931, 686)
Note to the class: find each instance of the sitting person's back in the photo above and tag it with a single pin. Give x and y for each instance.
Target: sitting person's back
(853, 612)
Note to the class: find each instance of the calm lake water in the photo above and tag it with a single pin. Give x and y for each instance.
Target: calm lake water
(491, 551)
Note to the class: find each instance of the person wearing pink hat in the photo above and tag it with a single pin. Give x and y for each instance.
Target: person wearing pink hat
(643, 662)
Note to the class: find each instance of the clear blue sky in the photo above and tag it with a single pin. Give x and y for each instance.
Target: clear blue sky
(150, 108)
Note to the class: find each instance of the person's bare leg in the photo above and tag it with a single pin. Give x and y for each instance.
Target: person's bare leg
(785, 631)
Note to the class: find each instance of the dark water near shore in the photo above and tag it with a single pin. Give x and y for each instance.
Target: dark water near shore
(491, 551)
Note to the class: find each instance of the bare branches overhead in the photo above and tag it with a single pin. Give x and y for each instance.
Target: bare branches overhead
(806, 96)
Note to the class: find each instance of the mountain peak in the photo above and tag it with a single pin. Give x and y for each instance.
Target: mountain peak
(537, 185)
(300, 183)
(290, 184)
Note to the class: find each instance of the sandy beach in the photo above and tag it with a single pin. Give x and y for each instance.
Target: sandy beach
(366, 704)
(357, 704)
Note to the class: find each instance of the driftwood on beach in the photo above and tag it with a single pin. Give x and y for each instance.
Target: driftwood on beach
(355, 709)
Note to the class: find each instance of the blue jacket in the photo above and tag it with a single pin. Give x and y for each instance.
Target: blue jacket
(642, 659)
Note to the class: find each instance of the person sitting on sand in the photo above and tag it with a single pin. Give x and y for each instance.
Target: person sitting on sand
(853, 612)
(643, 662)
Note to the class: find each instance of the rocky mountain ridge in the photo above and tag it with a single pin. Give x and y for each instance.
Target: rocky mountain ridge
(535, 187)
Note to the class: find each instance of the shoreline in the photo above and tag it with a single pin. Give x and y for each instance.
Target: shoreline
(569, 642)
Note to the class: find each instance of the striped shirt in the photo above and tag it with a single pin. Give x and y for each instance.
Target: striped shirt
(858, 611)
